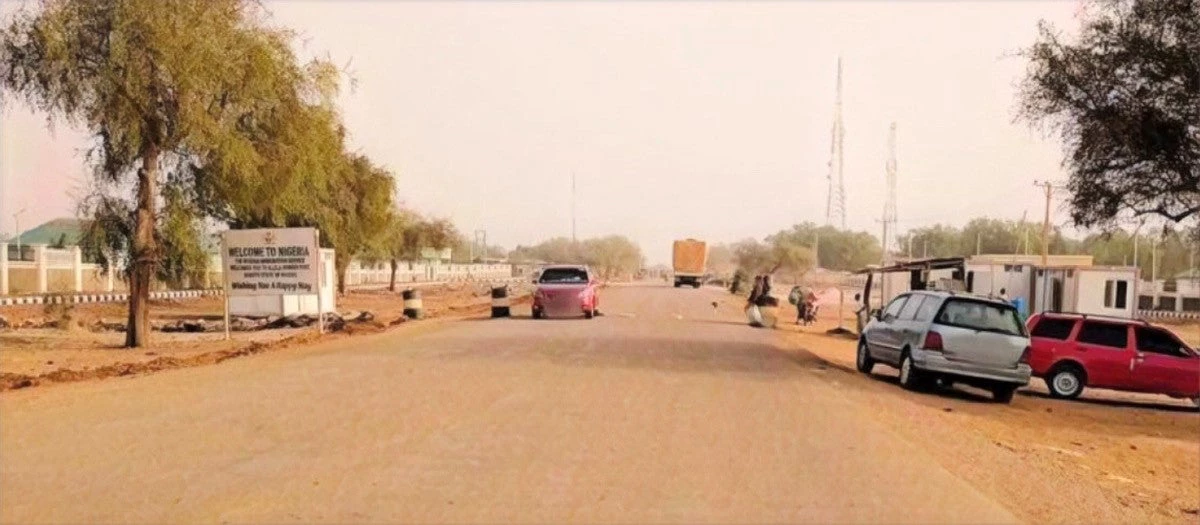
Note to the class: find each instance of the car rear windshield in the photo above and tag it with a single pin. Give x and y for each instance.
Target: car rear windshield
(980, 315)
(564, 275)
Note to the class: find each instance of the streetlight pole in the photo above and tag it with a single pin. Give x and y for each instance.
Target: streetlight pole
(17, 220)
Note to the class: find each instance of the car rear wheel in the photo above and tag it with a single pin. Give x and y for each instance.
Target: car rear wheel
(863, 362)
(911, 377)
(588, 314)
(1065, 382)
(1003, 394)
(537, 314)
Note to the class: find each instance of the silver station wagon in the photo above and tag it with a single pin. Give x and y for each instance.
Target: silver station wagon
(934, 336)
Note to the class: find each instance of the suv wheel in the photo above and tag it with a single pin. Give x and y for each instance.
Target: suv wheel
(863, 362)
(1065, 381)
(1003, 394)
(911, 377)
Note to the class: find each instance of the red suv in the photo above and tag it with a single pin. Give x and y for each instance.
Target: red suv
(1071, 351)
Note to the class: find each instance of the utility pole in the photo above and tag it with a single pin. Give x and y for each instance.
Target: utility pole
(835, 200)
(978, 243)
(17, 220)
(817, 249)
(573, 238)
(1048, 187)
(481, 240)
(1137, 262)
(1153, 258)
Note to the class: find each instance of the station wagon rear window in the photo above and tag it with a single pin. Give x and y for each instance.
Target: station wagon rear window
(564, 275)
(979, 315)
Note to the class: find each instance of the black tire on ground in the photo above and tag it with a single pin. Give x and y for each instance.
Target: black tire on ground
(695, 285)
(911, 377)
(1003, 394)
(1066, 381)
(678, 284)
(588, 314)
(537, 314)
(863, 361)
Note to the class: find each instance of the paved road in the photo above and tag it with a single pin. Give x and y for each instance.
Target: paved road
(666, 409)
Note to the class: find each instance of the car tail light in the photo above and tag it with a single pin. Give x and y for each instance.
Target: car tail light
(1025, 355)
(933, 341)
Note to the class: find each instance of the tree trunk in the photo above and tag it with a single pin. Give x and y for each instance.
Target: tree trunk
(392, 281)
(342, 263)
(144, 253)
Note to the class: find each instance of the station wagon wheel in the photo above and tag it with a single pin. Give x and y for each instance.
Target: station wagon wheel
(863, 360)
(911, 378)
(1066, 381)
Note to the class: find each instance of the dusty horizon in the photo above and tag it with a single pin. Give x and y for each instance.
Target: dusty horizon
(692, 119)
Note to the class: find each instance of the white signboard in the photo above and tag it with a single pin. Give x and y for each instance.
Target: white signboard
(275, 261)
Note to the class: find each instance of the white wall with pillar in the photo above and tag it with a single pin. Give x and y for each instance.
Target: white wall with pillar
(3, 268)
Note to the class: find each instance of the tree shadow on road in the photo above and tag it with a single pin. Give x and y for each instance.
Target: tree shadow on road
(1118, 403)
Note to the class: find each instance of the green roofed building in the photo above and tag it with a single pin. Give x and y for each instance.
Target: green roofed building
(67, 230)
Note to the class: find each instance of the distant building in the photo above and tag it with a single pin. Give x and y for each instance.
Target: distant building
(65, 229)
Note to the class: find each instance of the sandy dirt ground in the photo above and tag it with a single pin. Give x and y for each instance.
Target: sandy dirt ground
(1120, 457)
(666, 409)
(44, 356)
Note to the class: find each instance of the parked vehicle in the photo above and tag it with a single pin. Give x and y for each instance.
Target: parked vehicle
(1071, 351)
(566, 291)
(690, 260)
(947, 337)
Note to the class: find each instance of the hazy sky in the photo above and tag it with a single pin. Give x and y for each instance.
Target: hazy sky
(680, 119)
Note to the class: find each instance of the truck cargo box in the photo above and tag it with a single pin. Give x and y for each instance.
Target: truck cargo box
(690, 261)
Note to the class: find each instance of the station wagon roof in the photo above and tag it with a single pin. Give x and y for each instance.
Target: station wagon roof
(565, 267)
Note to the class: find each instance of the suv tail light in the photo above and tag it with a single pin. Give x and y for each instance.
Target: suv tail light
(933, 341)
(1025, 355)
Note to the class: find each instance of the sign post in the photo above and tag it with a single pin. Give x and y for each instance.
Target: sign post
(320, 283)
(225, 278)
(272, 262)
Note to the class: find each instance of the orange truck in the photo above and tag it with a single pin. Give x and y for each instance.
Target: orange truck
(690, 261)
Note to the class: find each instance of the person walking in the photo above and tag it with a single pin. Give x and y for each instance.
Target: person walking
(753, 315)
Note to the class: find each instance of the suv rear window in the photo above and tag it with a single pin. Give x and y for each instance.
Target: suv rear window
(1052, 328)
(564, 275)
(980, 315)
(1104, 334)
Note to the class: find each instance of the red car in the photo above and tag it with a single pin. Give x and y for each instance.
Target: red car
(566, 291)
(1071, 351)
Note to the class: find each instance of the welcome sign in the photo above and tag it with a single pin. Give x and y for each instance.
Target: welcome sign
(274, 261)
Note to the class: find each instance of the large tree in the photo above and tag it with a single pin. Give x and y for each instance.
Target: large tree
(836, 249)
(407, 233)
(1125, 98)
(161, 84)
(360, 197)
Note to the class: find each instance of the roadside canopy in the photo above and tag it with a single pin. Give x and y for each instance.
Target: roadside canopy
(915, 268)
(944, 263)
